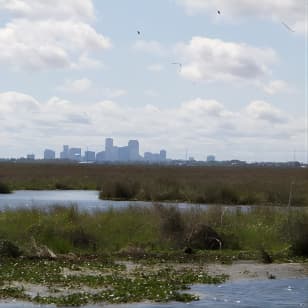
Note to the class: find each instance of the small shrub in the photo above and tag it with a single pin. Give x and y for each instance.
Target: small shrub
(61, 186)
(228, 196)
(230, 240)
(8, 249)
(125, 190)
(172, 225)
(299, 236)
(81, 239)
(5, 189)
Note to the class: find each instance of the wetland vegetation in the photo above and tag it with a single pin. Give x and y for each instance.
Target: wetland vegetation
(211, 185)
(145, 253)
(134, 254)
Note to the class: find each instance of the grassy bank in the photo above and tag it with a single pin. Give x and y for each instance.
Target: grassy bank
(156, 229)
(220, 185)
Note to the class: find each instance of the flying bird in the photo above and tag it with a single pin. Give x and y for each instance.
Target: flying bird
(218, 12)
(287, 26)
(138, 32)
(179, 64)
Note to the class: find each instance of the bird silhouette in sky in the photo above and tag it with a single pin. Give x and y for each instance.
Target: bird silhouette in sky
(138, 32)
(287, 26)
(218, 12)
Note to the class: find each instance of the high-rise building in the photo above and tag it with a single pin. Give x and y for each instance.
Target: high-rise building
(163, 155)
(89, 156)
(109, 149)
(101, 156)
(65, 153)
(133, 150)
(74, 154)
(155, 157)
(108, 144)
(123, 154)
(49, 154)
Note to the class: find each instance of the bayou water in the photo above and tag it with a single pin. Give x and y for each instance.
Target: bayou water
(244, 293)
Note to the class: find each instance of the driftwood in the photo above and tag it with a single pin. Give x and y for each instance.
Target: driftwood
(41, 251)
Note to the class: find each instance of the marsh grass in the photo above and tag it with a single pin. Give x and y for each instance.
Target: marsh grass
(219, 185)
(156, 228)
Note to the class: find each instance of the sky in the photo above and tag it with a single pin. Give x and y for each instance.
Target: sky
(78, 71)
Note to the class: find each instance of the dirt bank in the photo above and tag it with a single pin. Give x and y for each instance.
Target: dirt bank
(252, 270)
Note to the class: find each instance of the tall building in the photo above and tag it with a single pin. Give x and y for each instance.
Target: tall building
(111, 152)
(163, 155)
(65, 153)
(133, 150)
(74, 154)
(89, 156)
(49, 154)
(109, 149)
(100, 156)
(123, 154)
(155, 157)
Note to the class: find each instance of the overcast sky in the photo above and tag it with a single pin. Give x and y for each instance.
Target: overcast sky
(77, 71)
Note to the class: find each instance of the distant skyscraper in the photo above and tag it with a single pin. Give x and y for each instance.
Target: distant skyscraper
(65, 153)
(133, 150)
(89, 156)
(74, 154)
(155, 157)
(49, 154)
(101, 156)
(123, 154)
(108, 144)
(163, 155)
(109, 149)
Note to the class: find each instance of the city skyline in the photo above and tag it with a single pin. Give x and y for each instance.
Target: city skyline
(199, 82)
(111, 153)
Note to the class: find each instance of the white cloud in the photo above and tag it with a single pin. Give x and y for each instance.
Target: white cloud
(261, 110)
(215, 60)
(49, 43)
(152, 47)
(77, 86)
(197, 123)
(203, 107)
(14, 102)
(291, 12)
(276, 86)
(49, 9)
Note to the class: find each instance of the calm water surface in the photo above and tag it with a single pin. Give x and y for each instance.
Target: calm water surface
(88, 200)
(256, 293)
(84, 199)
